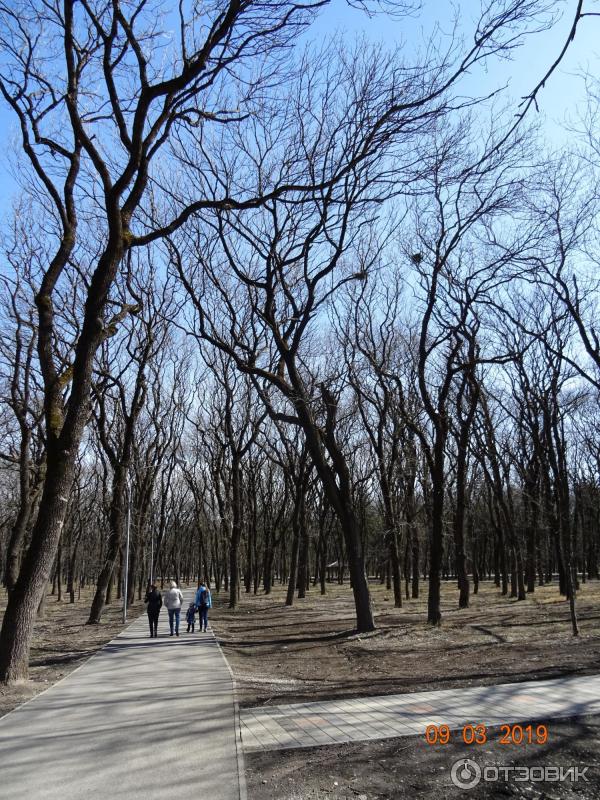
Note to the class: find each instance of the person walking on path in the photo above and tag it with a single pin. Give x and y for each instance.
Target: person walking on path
(190, 617)
(203, 602)
(154, 603)
(173, 601)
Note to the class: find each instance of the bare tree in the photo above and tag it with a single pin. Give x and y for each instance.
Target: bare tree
(21, 390)
(119, 391)
(104, 95)
(93, 118)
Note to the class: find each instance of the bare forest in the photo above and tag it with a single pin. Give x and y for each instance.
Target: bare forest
(280, 308)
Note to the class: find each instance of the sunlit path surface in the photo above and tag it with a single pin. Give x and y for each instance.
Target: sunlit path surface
(144, 718)
(383, 717)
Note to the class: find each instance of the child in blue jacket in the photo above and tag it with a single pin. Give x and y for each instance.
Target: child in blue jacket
(190, 617)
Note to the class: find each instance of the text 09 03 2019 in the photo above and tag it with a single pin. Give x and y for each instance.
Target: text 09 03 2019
(477, 734)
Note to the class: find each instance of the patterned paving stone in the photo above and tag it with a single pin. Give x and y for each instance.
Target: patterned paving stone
(386, 716)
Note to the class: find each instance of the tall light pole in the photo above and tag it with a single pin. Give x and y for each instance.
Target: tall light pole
(126, 576)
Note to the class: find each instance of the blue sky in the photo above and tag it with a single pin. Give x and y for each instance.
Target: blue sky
(559, 101)
(564, 93)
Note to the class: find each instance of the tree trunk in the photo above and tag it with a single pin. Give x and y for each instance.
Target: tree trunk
(415, 562)
(15, 544)
(116, 525)
(475, 550)
(236, 532)
(59, 571)
(392, 541)
(303, 548)
(531, 534)
(391, 535)
(293, 574)
(72, 564)
(434, 614)
(268, 567)
(23, 601)
(339, 496)
(459, 544)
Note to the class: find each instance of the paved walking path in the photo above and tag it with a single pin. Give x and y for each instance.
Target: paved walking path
(339, 721)
(146, 717)
(143, 718)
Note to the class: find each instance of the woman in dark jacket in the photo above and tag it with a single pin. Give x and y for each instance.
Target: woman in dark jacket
(154, 602)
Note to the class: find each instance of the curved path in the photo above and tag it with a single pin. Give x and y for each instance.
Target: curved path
(143, 718)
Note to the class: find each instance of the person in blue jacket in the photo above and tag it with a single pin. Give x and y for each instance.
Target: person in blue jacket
(190, 617)
(203, 602)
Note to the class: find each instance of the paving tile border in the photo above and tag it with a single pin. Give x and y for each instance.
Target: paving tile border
(319, 723)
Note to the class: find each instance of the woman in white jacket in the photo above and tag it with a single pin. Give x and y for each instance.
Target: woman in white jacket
(173, 600)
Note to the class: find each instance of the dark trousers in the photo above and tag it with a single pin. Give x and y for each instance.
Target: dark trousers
(153, 621)
(191, 625)
(203, 617)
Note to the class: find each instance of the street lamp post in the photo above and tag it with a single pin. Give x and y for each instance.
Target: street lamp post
(126, 576)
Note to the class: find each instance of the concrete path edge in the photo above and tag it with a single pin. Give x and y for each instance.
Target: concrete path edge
(236, 707)
(238, 726)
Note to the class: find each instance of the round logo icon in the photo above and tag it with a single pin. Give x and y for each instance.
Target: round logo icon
(465, 773)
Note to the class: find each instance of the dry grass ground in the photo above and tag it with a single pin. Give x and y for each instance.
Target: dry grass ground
(309, 652)
(409, 769)
(282, 655)
(62, 641)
